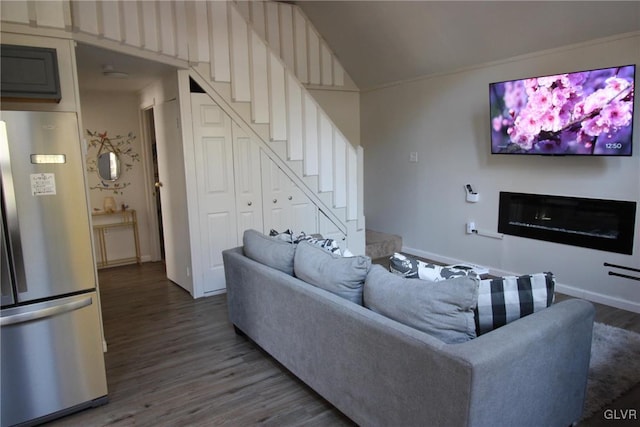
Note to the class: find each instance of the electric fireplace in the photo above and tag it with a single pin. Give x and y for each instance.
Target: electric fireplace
(606, 225)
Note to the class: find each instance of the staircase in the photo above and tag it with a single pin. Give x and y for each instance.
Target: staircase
(382, 245)
(252, 58)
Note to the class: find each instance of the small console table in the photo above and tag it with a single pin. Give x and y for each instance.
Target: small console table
(123, 218)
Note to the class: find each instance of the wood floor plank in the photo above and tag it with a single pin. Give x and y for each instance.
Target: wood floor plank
(176, 361)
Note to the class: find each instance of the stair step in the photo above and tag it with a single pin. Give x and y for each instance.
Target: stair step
(381, 245)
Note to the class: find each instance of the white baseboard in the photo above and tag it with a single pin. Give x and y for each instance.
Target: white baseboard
(561, 288)
(598, 297)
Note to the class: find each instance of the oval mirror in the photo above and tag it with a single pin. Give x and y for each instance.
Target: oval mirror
(109, 166)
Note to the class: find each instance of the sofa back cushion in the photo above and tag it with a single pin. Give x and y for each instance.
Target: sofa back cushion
(442, 309)
(505, 299)
(269, 251)
(331, 272)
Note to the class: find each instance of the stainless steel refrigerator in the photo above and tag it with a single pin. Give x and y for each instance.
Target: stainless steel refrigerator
(51, 342)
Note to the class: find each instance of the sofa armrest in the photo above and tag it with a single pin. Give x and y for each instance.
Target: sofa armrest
(532, 371)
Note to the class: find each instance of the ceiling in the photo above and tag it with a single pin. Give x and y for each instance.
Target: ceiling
(92, 61)
(380, 42)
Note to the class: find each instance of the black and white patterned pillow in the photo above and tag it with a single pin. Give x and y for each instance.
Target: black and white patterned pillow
(289, 236)
(505, 299)
(412, 268)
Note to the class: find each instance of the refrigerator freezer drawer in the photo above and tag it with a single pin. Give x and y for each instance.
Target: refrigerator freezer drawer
(51, 359)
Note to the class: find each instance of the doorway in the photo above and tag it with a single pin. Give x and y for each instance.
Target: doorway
(150, 131)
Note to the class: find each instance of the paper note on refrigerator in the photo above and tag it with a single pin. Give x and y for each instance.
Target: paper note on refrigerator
(43, 184)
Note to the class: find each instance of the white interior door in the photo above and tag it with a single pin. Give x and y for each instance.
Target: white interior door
(248, 182)
(213, 151)
(173, 194)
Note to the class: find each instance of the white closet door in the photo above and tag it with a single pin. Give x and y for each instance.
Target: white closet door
(248, 182)
(213, 147)
(286, 207)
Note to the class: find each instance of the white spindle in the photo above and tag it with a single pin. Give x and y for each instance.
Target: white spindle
(352, 183)
(259, 79)
(277, 103)
(199, 50)
(257, 18)
(286, 34)
(51, 14)
(150, 26)
(240, 82)
(338, 73)
(311, 136)
(273, 26)
(326, 153)
(85, 16)
(327, 66)
(294, 117)
(132, 23)
(182, 31)
(167, 28)
(13, 11)
(314, 56)
(219, 41)
(339, 170)
(111, 20)
(300, 39)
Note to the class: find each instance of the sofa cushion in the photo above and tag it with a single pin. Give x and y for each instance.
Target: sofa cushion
(331, 272)
(504, 299)
(269, 251)
(442, 309)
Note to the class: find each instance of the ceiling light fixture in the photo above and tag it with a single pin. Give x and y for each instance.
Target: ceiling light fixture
(108, 71)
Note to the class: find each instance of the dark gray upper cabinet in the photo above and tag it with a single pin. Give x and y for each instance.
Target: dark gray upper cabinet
(29, 74)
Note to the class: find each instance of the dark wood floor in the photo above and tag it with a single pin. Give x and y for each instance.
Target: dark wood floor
(175, 361)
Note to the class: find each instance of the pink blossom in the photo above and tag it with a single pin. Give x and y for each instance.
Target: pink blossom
(541, 100)
(497, 123)
(515, 96)
(617, 84)
(548, 81)
(530, 86)
(595, 126)
(617, 114)
(525, 141)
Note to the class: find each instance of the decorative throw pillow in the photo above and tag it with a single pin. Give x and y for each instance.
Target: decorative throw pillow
(505, 299)
(316, 239)
(442, 309)
(331, 272)
(269, 251)
(412, 268)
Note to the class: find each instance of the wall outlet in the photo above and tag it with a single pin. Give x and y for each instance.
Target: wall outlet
(471, 227)
(413, 157)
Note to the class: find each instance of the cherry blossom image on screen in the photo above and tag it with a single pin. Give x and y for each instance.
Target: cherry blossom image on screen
(583, 113)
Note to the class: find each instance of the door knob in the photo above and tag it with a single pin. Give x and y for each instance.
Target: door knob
(275, 200)
(249, 204)
(290, 197)
(158, 184)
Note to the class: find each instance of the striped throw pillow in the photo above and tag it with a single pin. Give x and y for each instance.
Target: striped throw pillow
(505, 299)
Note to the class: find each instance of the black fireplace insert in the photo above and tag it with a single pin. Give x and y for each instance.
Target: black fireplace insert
(607, 225)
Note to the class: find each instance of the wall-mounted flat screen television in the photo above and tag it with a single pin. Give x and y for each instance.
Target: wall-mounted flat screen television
(587, 113)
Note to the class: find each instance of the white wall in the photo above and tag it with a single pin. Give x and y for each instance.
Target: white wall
(118, 114)
(445, 119)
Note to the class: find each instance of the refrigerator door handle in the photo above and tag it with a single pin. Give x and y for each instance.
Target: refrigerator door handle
(45, 312)
(9, 205)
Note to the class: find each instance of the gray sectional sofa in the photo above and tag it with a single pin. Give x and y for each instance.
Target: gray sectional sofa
(380, 372)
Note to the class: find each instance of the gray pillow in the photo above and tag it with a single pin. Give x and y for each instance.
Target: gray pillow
(334, 273)
(442, 309)
(269, 251)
